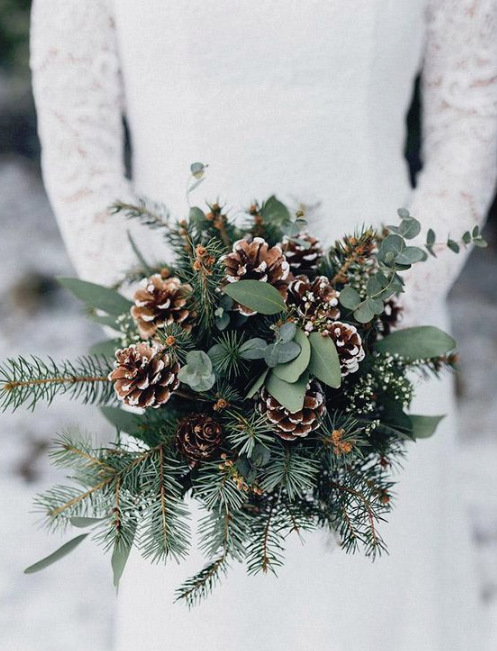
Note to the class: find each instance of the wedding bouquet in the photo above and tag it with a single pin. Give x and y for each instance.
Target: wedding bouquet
(257, 374)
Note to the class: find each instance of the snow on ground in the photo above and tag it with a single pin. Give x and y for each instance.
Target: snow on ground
(70, 607)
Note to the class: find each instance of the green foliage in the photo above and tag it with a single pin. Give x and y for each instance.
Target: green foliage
(256, 295)
(325, 364)
(27, 381)
(57, 555)
(97, 297)
(197, 372)
(421, 342)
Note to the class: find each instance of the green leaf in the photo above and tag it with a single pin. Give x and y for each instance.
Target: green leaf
(476, 231)
(120, 555)
(106, 348)
(453, 246)
(257, 385)
(273, 210)
(124, 421)
(291, 371)
(253, 349)
(466, 238)
(82, 523)
(66, 549)
(291, 396)
(271, 355)
(364, 313)
(287, 331)
(199, 362)
(349, 297)
(139, 256)
(324, 364)
(480, 242)
(409, 228)
(197, 170)
(287, 352)
(392, 244)
(410, 255)
(424, 426)
(430, 237)
(373, 287)
(196, 215)
(403, 213)
(256, 295)
(96, 296)
(375, 305)
(422, 342)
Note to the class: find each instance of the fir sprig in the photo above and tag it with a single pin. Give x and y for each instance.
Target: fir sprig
(26, 381)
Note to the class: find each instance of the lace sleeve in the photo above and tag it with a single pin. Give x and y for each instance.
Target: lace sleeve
(459, 137)
(78, 93)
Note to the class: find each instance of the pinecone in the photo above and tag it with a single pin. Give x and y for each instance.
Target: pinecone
(145, 376)
(199, 437)
(256, 261)
(391, 316)
(292, 426)
(161, 301)
(315, 300)
(348, 343)
(302, 260)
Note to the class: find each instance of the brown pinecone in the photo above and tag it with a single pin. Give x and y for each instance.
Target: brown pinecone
(302, 260)
(257, 261)
(145, 376)
(292, 426)
(348, 343)
(315, 300)
(198, 437)
(161, 301)
(391, 316)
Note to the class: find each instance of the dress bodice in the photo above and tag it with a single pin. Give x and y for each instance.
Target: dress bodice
(307, 100)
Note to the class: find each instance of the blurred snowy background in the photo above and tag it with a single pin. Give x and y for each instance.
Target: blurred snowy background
(70, 607)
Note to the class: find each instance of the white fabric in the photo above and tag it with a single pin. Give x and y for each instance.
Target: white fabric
(308, 100)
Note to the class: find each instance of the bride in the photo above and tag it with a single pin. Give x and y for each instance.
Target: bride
(306, 100)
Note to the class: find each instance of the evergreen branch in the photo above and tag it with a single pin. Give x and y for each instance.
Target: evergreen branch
(24, 381)
(198, 587)
(149, 213)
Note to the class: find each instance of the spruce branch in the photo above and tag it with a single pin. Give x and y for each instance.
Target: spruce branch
(27, 381)
(149, 213)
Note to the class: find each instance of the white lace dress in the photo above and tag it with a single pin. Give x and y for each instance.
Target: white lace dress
(307, 100)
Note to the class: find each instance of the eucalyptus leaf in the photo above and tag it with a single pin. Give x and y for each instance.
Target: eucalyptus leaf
(146, 267)
(287, 351)
(424, 426)
(97, 296)
(421, 342)
(199, 362)
(349, 297)
(66, 549)
(409, 228)
(124, 421)
(324, 363)
(273, 210)
(106, 348)
(364, 313)
(453, 246)
(256, 295)
(271, 355)
(376, 305)
(197, 170)
(430, 237)
(403, 213)
(197, 216)
(258, 384)
(287, 331)
(120, 555)
(291, 396)
(253, 349)
(223, 321)
(392, 244)
(291, 371)
(410, 255)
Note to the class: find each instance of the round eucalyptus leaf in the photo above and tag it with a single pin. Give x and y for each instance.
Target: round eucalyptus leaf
(349, 297)
(287, 331)
(286, 352)
(409, 228)
(364, 313)
(253, 349)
